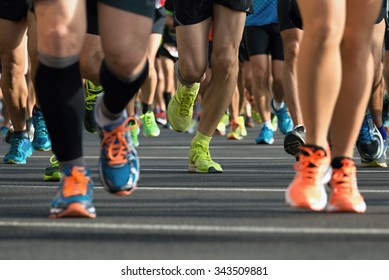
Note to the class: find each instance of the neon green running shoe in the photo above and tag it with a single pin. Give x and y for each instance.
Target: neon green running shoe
(235, 132)
(243, 130)
(91, 93)
(150, 126)
(53, 173)
(274, 122)
(180, 108)
(134, 131)
(200, 160)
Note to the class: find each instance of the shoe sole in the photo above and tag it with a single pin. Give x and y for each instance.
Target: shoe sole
(360, 208)
(374, 163)
(292, 144)
(74, 210)
(265, 142)
(53, 178)
(193, 169)
(125, 192)
(320, 206)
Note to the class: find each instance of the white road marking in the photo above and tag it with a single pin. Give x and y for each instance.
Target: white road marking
(197, 228)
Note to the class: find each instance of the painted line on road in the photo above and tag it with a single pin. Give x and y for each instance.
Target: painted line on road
(147, 188)
(196, 228)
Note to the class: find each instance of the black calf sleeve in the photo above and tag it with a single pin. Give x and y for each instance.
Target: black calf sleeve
(61, 97)
(118, 92)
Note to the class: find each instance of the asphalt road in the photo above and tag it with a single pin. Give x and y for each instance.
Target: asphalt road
(239, 214)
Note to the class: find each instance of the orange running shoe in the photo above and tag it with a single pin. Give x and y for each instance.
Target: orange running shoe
(313, 171)
(75, 195)
(344, 195)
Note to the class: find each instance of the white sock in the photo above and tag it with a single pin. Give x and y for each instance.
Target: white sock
(268, 124)
(277, 105)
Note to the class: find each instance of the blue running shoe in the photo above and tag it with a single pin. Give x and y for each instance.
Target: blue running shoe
(285, 123)
(3, 131)
(119, 163)
(370, 145)
(266, 136)
(75, 195)
(41, 141)
(20, 149)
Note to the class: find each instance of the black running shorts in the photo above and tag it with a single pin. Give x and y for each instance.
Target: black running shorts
(264, 39)
(243, 53)
(159, 21)
(141, 7)
(188, 12)
(91, 17)
(14, 10)
(284, 22)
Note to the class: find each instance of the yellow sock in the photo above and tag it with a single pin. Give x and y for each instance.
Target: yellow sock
(199, 137)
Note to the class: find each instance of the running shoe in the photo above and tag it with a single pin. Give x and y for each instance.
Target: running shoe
(134, 130)
(235, 132)
(200, 159)
(41, 140)
(3, 131)
(150, 126)
(256, 116)
(119, 163)
(242, 125)
(284, 121)
(75, 195)
(161, 118)
(370, 145)
(249, 122)
(9, 134)
(20, 149)
(222, 125)
(274, 121)
(266, 136)
(344, 194)
(294, 140)
(91, 93)
(313, 171)
(180, 108)
(53, 172)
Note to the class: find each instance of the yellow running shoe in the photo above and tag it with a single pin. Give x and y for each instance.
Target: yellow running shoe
(200, 160)
(242, 125)
(180, 108)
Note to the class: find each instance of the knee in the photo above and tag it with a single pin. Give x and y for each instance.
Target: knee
(126, 64)
(225, 64)
(61, 40)
(290, 52)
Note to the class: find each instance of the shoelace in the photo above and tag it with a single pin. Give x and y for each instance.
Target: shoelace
(115, 144)
(53, 161)
(15, 143)
(307, 166)
(76, 183)
(90, 100)
(343, 177)
(186, 104)
(201, 152)
(40, 126)
(148, 119)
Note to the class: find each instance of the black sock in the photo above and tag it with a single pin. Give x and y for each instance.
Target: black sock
(337, 162)
(61, 98)
(119, 91)
(146, 108)
(166, 97)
